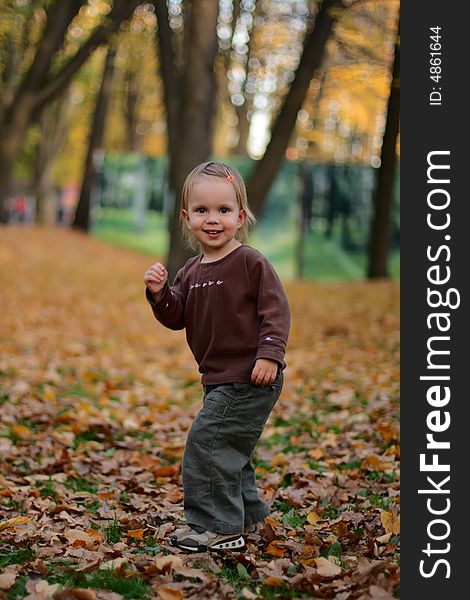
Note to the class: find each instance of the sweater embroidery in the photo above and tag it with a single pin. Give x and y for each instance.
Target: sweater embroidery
(204, 284)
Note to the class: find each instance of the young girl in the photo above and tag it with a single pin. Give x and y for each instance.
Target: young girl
(237, 319)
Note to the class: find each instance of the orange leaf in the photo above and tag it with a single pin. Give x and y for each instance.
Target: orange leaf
(274, 549)
(316, 453)
(165, 471)
(105, 495)
(21, 431)
(167, 592)
(273, 581)
(138, 534)
(373, 462)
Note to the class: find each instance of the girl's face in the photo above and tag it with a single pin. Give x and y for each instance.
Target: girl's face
(213, 215)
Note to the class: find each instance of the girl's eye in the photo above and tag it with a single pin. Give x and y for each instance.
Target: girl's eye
(200, 210)
(224, 210)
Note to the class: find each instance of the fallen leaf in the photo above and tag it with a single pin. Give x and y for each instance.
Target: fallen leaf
(316, 453)
(390, 522)
(384, 539)
(168, 563)
(75, 594)
(7, 579)
(326, 568)
(137, 534)
(21, 431)
(313, 518)
(14, 522)
(274, 548)
(113, 564)
(273, 581)
(378, 593)
(169, 592)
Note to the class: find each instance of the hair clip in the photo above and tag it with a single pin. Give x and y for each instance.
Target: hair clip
(229, 178)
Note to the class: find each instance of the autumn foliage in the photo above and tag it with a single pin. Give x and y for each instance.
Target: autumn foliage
(96, 399)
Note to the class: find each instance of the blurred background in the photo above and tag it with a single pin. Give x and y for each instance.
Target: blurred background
(106, 106)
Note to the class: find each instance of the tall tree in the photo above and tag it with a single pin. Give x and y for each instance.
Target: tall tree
(312, 55)
(44, 79)
(190, 92)
(82, 215)
(379, 244)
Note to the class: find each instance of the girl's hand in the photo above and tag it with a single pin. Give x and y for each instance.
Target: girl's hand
(264, 371)
(155, 278)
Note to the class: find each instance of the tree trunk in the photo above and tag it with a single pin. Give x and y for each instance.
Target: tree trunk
(82, 215)
(379, 245)
(243, 127)
(54, 125)
(131, 96)
(12, 133)
(190, 126)
(313, 51)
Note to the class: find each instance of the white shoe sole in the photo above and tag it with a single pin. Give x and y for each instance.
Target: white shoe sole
(235, 544)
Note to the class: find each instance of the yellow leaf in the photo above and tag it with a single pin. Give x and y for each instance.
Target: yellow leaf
(313, 518)
(15, 521)
(390, 522)
(49, 394)
(279, 460)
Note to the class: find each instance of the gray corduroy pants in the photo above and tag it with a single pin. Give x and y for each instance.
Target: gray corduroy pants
(218, 477)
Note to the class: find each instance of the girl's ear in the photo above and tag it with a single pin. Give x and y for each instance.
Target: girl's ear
(185, 217)
(241, 217)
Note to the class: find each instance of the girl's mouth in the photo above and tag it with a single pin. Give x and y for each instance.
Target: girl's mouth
(212, 232)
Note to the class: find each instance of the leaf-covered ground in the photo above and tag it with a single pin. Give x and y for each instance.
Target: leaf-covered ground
(96, 399)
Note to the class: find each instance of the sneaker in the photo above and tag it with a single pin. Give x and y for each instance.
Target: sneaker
(254, 528)
(198, 539)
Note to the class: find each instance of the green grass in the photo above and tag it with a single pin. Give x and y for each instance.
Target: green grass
(325, 260)
(115, 225)
(15, 556)
(130, 587)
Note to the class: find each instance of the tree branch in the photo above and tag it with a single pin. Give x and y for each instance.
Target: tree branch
(121, 11)
(59, 17)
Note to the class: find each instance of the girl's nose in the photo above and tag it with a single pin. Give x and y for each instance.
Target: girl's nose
(212, 218)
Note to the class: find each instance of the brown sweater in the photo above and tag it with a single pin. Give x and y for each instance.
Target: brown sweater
(234, 309)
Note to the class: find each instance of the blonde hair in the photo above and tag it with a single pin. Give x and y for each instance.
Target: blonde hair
(216, 169)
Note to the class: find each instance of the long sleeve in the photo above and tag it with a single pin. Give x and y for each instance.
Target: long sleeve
(169, 310)
(273, 312)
